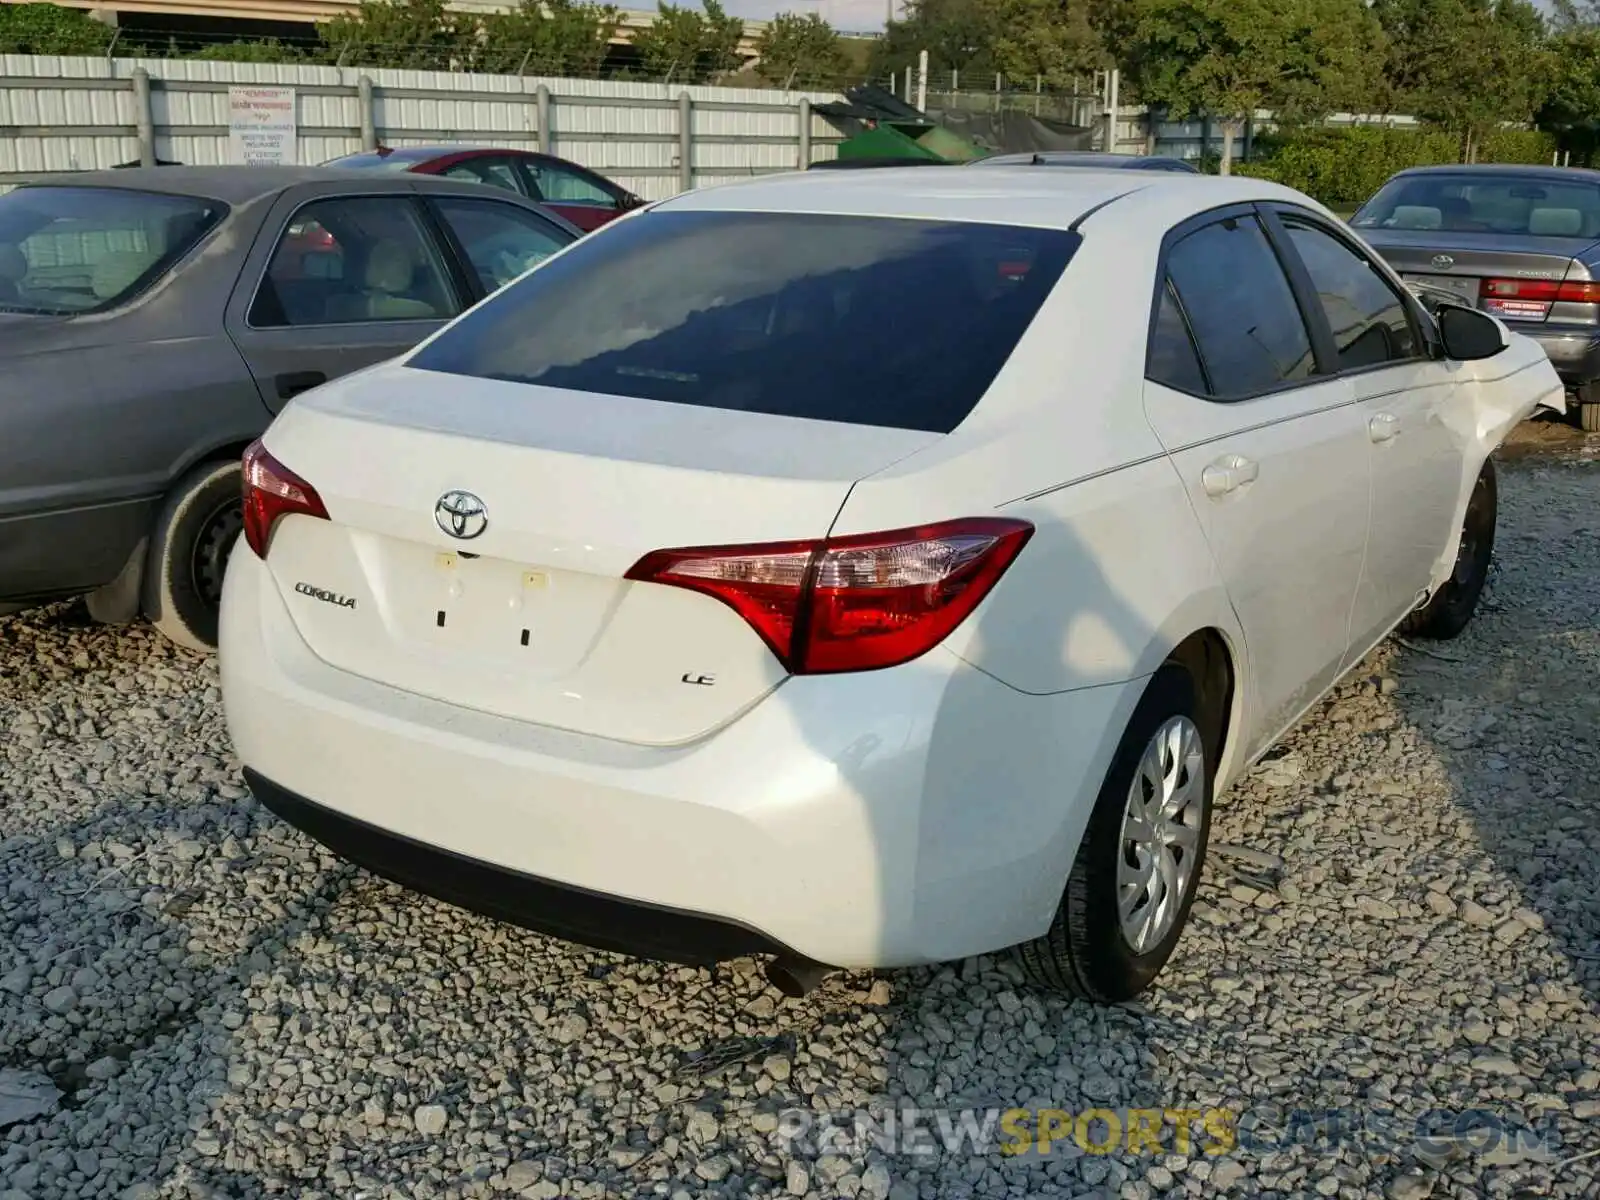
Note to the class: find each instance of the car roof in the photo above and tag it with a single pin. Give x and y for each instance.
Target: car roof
(231, 184)
(236, 185)
(1003, 195)
(424, 153)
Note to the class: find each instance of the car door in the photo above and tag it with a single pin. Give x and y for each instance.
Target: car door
(1271, 450)
(1404, 394)
(496, 240)
(340, 282)
(582, 197)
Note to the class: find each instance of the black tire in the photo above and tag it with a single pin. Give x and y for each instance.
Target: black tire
(189, 549)
(1450, 609)
(1085, 953)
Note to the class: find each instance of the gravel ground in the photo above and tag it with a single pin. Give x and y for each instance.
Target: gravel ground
(1406, 918)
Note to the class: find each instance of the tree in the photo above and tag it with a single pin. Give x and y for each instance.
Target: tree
(1572, 109)
(1467, 65)
(50, 29)
(689, 45)
(1054, 41)
(800, 48)
(555, 37)
(1228, 58)
(959, 35)
(420, 34)
(269, 51)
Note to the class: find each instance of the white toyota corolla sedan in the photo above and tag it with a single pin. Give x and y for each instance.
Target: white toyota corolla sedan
(861, 569)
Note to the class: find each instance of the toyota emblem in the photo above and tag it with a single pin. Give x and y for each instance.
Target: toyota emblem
(461, 515)
(1443, 262)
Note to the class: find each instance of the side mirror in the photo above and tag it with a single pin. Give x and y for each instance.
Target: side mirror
(1468, 334)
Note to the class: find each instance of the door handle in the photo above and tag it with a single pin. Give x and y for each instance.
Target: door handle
(292, 383)
(1229, 474)
(1383, 427)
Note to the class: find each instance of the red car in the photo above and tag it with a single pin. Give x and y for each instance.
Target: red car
(576, 193)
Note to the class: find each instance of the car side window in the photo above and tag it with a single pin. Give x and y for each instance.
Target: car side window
(496, 172)
(561, 185)
(1174, 361)
(354, 259)
(1241, 309)
(1370, 320)
(501, 240)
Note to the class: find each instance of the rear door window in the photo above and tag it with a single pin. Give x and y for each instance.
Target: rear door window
(557, 184)
(866, 320)
(501, 241)
(354, 259)
(496, 171)
(1241, 308)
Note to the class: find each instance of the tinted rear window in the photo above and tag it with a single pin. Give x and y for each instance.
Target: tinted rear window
(866, 320)
(79, 249)
(1528, 206)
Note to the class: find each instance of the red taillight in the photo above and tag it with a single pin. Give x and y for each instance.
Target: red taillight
(1541, 291)
(271, 491)
(850, 603)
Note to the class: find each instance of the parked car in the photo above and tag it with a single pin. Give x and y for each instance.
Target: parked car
(869, 161)
(581, 196)
(663, 610)
(1091, 160)
(1520, 242)
(153, 320)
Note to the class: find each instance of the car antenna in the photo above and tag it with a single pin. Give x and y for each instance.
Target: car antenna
(1037, 160)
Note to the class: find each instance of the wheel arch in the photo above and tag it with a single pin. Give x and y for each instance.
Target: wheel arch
(1208, 656)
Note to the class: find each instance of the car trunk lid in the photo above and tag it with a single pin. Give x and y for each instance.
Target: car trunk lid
(1522, 270)
(529, 616)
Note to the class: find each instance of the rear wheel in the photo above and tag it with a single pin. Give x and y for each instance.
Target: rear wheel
(1128, 896)
(1450, 608)
(189, 551)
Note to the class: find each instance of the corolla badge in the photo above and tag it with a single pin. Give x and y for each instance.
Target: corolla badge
(1443, 262)
(461, 515)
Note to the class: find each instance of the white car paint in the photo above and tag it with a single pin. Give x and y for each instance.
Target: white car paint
(916, 813)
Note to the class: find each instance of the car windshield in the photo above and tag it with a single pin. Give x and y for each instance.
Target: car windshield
(1523, 205)
(867, 320)
(66, 250)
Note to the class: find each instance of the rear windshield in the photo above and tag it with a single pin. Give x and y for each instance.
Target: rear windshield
(380, 162)
(67, 250)
(1528, 206)
(866, 320)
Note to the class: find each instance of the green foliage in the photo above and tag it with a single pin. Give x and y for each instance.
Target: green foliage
(421, 34)
(802, 49)
(550, 38)
(269, 51)
(1466, 65)
(51, 29)
(959, 35)
(1053, 41)
(1229, 58)
(1342, 167)
(689, 45)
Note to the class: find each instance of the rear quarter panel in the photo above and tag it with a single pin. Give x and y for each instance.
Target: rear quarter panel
(1118, 571)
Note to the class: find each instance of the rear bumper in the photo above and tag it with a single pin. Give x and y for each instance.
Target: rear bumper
(912, 815)
(557, 909)
(1574, 351)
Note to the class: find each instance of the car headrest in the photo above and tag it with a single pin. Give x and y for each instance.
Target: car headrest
(13, 263)
(1555, 222)
(389, 267)
(1416, 216)
(114, 272)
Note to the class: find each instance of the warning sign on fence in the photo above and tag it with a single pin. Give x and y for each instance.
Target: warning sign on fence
(261, 126)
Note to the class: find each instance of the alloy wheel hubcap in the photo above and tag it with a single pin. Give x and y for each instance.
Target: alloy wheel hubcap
(1161, 834)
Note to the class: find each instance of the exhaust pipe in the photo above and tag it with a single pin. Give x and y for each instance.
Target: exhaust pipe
(795, 977)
